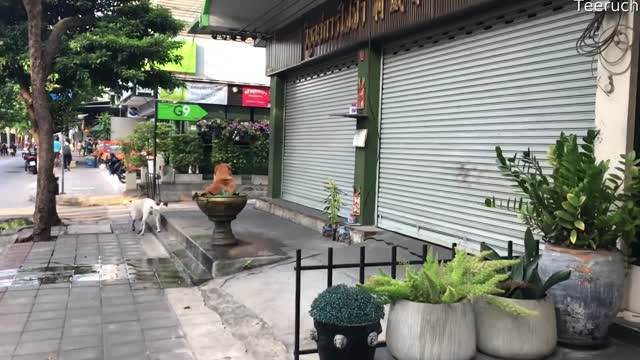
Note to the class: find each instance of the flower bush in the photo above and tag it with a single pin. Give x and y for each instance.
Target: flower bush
(246, 132)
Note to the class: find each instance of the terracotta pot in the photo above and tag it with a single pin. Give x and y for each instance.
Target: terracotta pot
(417, 331)
(589, 301)
(508, 336)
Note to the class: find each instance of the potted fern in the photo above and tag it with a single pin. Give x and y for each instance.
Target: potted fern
(332, 205)
(508, 336)
(347, 323)
(431, 314)
(580, 209)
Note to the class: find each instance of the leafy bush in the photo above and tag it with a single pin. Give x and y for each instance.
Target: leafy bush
(579, 204)
(244, 159)
(102, 130)
(333, 203)
(464, 277)
(185, 151)
(346, 306)
(142, 137)
(524, 281)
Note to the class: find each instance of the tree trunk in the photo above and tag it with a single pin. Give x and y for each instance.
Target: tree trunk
(45, 210)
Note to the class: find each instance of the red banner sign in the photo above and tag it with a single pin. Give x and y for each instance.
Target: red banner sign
(256, 97)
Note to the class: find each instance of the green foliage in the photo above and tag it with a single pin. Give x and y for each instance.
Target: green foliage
(185, 151)
(120, 44)
(464, 277)
(13, 112)
(244, 159)
(333, 202)
(142, 137)
(346, 306)
(524, 281)
(102, 130)
(580, 204)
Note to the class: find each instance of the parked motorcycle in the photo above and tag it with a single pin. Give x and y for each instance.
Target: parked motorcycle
(116, 167)
(31, 162)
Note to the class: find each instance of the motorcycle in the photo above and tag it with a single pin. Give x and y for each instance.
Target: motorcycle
(31, 162)
(116, 167)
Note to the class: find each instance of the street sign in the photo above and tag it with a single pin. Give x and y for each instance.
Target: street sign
(187, 112)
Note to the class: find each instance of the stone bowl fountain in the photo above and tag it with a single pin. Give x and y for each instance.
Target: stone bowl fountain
(221, 210)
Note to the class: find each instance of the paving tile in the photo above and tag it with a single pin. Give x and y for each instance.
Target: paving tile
(44, 324)
(93, 353)
(86, 320)
(120, 317)
(159, 323)
(46, 315)
(87, 330)
(111, 309)
(14, 309)
(8, 342)
(48, 334)
(37, 347)
(49, 306)
(163, 333)
(165, 346)
(123, 337)
(42, 356)
(133, 351)
(13, 323)
(80, 342)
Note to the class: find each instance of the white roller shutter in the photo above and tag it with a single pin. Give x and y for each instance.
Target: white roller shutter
(445, 106)
(318, 146)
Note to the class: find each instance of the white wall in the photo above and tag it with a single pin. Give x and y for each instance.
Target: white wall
(615, 110)
(121, 127)
(230, 61)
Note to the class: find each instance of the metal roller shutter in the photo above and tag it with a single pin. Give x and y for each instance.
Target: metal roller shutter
(445, 106)
(318, 146)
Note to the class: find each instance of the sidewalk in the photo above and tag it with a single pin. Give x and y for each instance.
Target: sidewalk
(269, 292)
(102, 292)
(81, 184)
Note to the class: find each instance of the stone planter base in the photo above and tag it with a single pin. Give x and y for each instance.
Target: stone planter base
(360, 341)
(509, 336)
(418, 331)
(633, 289)
(222, 210)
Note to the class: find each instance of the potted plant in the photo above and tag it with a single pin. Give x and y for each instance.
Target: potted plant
(332, 205)
(347, 323)
(431, 314)
(580, 209)
(508, 336)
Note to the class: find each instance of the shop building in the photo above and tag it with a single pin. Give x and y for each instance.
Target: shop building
(437, 86)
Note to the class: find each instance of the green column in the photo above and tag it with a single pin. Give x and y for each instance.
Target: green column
(276, 136)
(369, 72)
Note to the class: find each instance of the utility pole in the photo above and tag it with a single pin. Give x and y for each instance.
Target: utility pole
(62, 164)
(155, 145)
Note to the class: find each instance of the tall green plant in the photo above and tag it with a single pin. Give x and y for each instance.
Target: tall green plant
(464, 277)
(185, 151)
(581, 203)
(524, 281)
(103, 127)
(333, 203)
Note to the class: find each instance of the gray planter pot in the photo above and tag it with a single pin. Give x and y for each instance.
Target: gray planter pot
(417, 331)
(509, 336)
(589, 301)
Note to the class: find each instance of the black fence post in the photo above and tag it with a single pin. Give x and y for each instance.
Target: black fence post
(425, 252)
(296, 344)
(394, 261)
(537, 248)
(362, 259)
(330, 268)
(510, 249)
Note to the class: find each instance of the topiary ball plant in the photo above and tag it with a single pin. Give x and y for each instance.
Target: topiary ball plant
(344, 305)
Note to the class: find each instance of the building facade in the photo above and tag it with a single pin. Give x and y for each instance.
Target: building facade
(436, 86)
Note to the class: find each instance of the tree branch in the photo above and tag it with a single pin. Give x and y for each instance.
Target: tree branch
(55, 38)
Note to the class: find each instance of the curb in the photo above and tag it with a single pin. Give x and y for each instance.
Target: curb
(245, 325)
(72, 200)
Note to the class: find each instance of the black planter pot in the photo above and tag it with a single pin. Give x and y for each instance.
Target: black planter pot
(347, 342)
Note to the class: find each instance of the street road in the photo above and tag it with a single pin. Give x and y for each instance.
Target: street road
(16, 186)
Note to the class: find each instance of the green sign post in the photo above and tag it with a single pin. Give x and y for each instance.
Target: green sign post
(186, 112)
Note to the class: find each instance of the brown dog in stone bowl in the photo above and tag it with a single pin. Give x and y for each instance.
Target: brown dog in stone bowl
(222, 183)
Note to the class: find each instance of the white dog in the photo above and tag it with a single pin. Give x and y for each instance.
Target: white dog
(141, 210)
